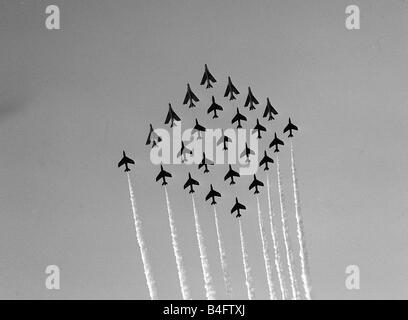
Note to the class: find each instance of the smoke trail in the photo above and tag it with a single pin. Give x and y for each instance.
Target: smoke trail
(247, 269)
(139, 235)
(265, 251)
(209, 288)
(179, 260)
(223, 258)
(300, 232)
(288, 246)
(278, 261)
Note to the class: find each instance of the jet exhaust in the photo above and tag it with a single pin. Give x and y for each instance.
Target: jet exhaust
(265, 251)
(288, 246)
(223, 258)
(300, 231)
(247, 269)
(209, 288)
(185, 291)
(142, 246)
(278, 260)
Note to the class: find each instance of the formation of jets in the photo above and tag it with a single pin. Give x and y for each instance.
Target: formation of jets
(191, 99)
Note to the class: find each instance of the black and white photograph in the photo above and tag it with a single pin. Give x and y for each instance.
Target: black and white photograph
(227, 150)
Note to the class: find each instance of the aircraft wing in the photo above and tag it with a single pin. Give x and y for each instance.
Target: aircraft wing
(242, 117)
(248, 99)
(252, 185)
(235, 90)
(234, 208)
(168, 118)
(243, 153)
(203, 79)
(194, 97)
(265, 114)
(227, 91)
(186, 98)
(210, 76)
(122, 162)
(236, 118)
(175, 116)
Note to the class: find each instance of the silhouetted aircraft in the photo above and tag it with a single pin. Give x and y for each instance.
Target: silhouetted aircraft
(205, 163)
(207, 78)
(153, 138)
(237, 207)
(212, 194)
(259, 128)
(255, 184)
(223, 139)
(238, 117)
(246, 153)
(269, 111)
(276, 142)
(183, 152)
(190, 183)
(190, 97)
(289, 128)
(231, 174)
(171, 116)
(198, 128)
(162, 175)
(265, 160)
(125, 161)
(250, 100)
(231, 90)
(214, 107)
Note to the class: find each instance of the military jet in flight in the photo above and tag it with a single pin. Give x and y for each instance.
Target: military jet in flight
(255, 184)
(289, 128)
(269, 111)
(125, 161)
(246, 152)
(198, 128)
(265, 160)
(237, 207)
(207, 77)
(153, 138)
(250, 100)
(162, 175)
(214, 107)
(259, 128)
(231, 90)
(190, 97)
(205, 163)
(183, 152)
(231, 174)
(238, 118)
(171, 117)
(212, 194)
(224, 140)
(190, 183)
(275, 143)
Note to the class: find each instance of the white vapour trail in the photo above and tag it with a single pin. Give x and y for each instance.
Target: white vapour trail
(143, 251)
(247, 269)
(209, 288)
(288, 246)
(278, 261)
(223, 258)
(265, 250)
(185, 291)
(300, 231)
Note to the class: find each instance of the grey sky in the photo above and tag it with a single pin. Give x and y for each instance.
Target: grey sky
(71, 100)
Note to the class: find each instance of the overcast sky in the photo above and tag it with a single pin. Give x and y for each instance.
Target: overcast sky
(72, 99)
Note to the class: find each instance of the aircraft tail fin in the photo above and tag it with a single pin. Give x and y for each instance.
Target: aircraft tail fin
(213, 202)
(238, 215)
